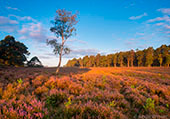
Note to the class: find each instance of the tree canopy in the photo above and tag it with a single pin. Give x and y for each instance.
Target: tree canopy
(34, 62)
(13, 53)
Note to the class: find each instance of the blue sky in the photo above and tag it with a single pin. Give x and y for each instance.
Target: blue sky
(105, 26)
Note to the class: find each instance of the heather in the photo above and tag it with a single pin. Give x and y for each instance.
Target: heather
(78, 93)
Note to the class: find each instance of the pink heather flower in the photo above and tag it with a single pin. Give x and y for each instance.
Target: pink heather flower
(29, 108)
(11, 109)
(38, 114)
(22, 113)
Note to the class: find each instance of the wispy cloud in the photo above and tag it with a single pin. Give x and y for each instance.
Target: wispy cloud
(76, 40)
(167, 26)
(6, 20)
(7, 24)
(11, 23)
(24, 18)
(8, 28)
(168, 32)
(162, 24)
(164, 18)
(159, 24)
(138, 17)
(81, 52)
(12, 8)
(130, 43)
(164, 10)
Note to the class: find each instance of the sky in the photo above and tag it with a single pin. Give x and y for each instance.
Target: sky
(104, 26)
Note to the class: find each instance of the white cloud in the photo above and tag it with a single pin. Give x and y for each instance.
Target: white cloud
(159, 24)
(12, 8)
(22, 37)
(24, 18)
(168, 32)
(138, 17)
(33, 31)
(8, 25)
(6, 20)
(23, 30)
(167, 26)
(162, 24)
(52, 61)
(164, 10)
(12, 22)
(51, 37)
(76, 40)
(8, 28)
(81, 52)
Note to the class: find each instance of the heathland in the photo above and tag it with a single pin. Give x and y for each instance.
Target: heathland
(85, 93)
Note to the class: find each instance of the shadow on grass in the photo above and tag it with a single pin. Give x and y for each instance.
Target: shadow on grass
(12, 74)
(73, 70)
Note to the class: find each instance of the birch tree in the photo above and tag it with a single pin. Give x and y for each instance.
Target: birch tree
(63, 28)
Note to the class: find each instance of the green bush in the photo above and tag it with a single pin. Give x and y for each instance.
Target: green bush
(149, 106)
(55, 100)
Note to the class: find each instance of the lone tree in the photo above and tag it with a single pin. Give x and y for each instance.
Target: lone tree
(63, 29)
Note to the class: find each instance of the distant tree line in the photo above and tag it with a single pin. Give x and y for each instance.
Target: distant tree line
(14, 53)
(147, 57)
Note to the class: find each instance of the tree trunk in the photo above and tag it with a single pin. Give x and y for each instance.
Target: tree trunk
(114, 64)
(121, 63)
(60, 55)
(132, 63)
(128, 63)
(58, 67)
